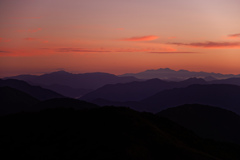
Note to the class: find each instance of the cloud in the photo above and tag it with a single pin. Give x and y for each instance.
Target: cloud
(84, 50)
(4, 40)
(171, 37)
(79, 50)
(98, 50)
(143, 38)
(210, 44)
(31, 39)
(4, 51)
(29, 30)
(234, 35)
(25, 17)
(35, 39)
(171, 52)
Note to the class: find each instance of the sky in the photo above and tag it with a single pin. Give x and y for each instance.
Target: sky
(127, 36)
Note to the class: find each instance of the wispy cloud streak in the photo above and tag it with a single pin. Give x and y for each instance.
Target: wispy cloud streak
(29, 30)
(234, 35)
(210, 44)
(25, 17)
(143, 38)
(171, 52)
(98, 50)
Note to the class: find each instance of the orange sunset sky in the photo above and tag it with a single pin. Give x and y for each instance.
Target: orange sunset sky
(38, 36)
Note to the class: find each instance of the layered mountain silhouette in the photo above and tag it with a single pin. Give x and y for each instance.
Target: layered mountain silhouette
(67, 91)
(206, 121)
(220, 95)
(14, 101)
(82, 83)
(136, 91)
(37, 123)
(35, 91)
(104, 133)
(169, 74)
(235, 81)
(64, 103)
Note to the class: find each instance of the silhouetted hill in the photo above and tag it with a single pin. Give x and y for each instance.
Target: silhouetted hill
(35, 91)
(64, 103)
(104, 133)
(219, 95)
(14, 101)
(206, 121)
(169, 74)
(76, 81)
(235, 81)
(135, 91)
(67, 91)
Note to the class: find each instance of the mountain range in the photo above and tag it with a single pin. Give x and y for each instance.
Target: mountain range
(151, 95)
(138, 90)
(169, 74)
(220, 95)
(37, 92)
(15, 101)
(78, 85)
(73, 85)
(65, 128)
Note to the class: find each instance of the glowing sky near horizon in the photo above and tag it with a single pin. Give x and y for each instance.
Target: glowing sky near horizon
(38, 36)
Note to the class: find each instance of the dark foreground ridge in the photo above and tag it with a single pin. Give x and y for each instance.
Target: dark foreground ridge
(104, 133)
(207, 121)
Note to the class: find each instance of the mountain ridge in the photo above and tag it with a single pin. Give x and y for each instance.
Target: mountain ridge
(35, 91)
(206, 121)
(82, 82)
(169, 74)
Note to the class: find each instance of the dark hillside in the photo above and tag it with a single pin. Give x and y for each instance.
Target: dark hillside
(104, 133)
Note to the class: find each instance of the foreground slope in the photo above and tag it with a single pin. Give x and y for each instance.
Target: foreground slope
(14, 101)
(104, 133)
(206, 121)
(35, 91)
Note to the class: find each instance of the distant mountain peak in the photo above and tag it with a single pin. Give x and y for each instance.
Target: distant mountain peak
(195, 79)
(177, 75)
(60, 72)
(183, 70)
(165, 69)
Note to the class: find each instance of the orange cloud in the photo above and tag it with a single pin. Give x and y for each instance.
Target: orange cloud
(80, 50)
(97, 50)
(172, 52)
(100, 50)
(210, 44)
(143, 38)
(234, 35)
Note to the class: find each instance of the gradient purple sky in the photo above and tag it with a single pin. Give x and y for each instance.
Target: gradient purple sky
(38, 36)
